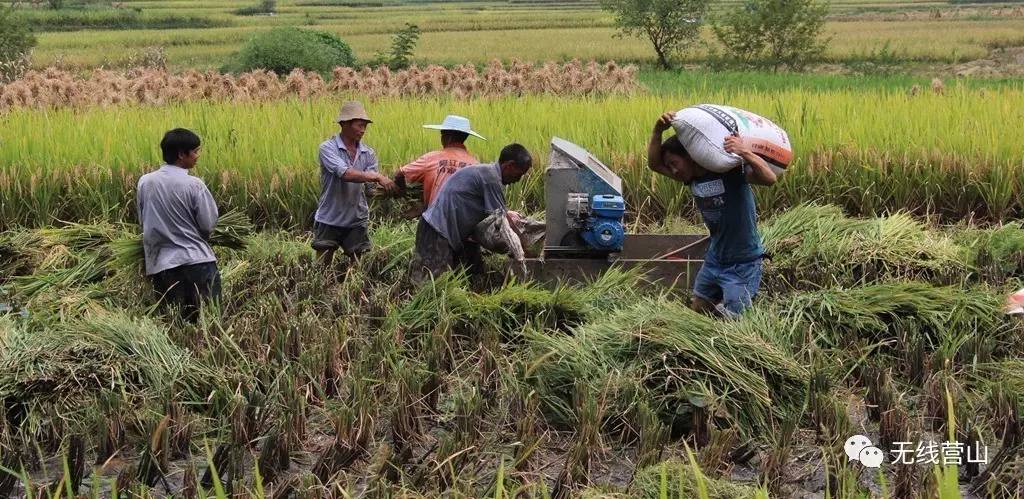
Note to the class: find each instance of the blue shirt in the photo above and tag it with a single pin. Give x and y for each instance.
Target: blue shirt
(177, 214)
(465, 199)
(343, 204)
(726, 203)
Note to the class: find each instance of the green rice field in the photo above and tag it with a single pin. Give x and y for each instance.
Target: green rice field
(893, 240)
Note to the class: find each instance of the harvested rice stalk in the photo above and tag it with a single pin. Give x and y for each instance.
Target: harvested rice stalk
(996, 252)
(681, 480)
(79, 237)
(90, 268)
(683, 358)
(66, 366)
(233, 231)
(25, 252)
(446, 302)
(20, 252)
(945, 321)
(818, 244)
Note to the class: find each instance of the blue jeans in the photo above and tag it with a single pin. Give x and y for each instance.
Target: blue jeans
(734, 285)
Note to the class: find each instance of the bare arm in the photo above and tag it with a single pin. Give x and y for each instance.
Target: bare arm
(356, 176)
(382, 180)
(416, 171)
(759, 172)
(331, 160)
(654, 160)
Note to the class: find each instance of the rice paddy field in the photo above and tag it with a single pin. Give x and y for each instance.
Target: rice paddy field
(205, 34)
(894, 238)
(953, 155)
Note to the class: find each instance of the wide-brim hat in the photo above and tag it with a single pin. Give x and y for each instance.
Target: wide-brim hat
(455, 123)
(352, 110)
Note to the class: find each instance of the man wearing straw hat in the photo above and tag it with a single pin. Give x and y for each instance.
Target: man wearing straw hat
(433, 168)
(346, 164)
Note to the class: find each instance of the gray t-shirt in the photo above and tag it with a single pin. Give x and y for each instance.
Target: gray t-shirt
(343, 204)
(466, 198)
(178, 214)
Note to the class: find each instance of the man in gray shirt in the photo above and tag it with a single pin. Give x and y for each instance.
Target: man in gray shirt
(346, 164)
(178, 215)
(469, 196)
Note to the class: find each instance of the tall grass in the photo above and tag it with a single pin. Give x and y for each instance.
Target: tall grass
(868, 151)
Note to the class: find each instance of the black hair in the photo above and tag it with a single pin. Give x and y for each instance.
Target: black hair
(176, 142)
(516, 153)
(673, 146)
(449, 136)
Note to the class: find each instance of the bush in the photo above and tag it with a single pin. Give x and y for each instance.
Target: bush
(283, 49)
(264, 7)
(16, 42)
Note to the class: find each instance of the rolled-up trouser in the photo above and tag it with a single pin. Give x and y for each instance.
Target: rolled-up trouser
(734, 286)
(435, 256)
(188, 286)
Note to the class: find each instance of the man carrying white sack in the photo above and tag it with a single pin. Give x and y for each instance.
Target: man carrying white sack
(720, 177)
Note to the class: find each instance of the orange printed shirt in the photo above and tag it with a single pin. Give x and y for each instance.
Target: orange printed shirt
(433, 169)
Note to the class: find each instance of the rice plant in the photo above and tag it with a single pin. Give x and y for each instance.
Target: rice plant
(929, 155)
(309, 384)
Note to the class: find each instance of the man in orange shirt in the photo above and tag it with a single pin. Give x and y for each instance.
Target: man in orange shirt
(434, 168)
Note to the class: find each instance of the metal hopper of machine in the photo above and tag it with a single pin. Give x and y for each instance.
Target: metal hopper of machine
(585, 234)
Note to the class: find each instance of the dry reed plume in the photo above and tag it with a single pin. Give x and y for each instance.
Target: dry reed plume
(55, 88)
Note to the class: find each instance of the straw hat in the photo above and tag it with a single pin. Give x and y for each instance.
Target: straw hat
(455, 123)
(352, 110)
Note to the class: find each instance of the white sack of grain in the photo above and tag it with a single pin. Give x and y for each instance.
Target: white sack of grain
(496, 235)
(702, 131)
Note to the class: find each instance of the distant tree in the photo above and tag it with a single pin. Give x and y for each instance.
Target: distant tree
(670, 25)
(774, 33)
(403, 45)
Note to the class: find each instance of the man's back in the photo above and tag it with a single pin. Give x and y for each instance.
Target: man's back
(435, 168)
(466, 198)
(178, 214)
